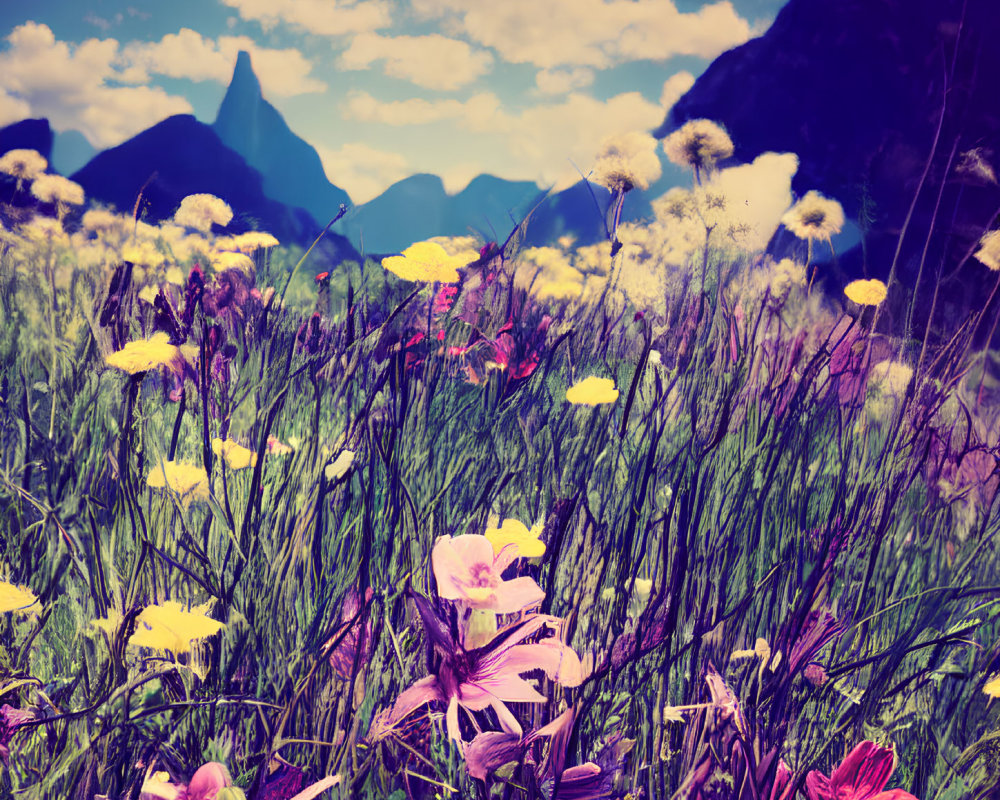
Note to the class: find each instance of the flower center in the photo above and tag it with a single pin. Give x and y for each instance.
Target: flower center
(481, 575)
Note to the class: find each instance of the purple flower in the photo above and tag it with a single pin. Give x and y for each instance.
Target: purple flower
(467, 569)
(861, 776)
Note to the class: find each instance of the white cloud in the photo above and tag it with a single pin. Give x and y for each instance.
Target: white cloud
(545, 142)
(364, 172)
(561, 81)
(675, 87)
(323, 17)
(12, 109)
(69, 86)
(758, 194)
(432, 61)
(475, 112)
(593, 33)
(188, 54)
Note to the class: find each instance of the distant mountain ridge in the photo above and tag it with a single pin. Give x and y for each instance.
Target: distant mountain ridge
(181, 156)
(291, 168)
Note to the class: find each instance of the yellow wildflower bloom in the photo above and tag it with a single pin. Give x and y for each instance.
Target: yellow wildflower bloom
(425, 261)
(235, 455)
(15, 598)
(514, 532)
(592, 391)
(992, 688)
(230, 260)
(200, 211)
(168, 626)
(146, 354)
(988, 253)
(186, 480)
(866, 293)
(110, 623)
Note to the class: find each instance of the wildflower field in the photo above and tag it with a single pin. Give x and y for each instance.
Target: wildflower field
(660, 517)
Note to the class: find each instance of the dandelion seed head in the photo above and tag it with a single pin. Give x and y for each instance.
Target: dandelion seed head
(23, 164)
(200, 211)
(627, 161)
(814, 217)
(698, 144)
(988, 253)
(57, 189)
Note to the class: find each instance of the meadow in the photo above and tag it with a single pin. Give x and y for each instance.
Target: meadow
(488, 521)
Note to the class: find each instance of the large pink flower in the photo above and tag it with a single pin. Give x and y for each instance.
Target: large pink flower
(490, 676)
(467, 569)
(861, 776)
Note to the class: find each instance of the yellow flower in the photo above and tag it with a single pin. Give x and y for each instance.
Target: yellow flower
(236, 455)
(230, 260)
(15, 598)
(425, 261)
(146, 354)
(516, 533)
(110, 623)
(992, 688)
(866, 293)
(186, 480)
(592, 391)
(168, 626)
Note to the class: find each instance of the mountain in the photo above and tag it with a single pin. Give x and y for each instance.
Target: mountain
(418, 208)
(181, 156)
(856, 89)
(292, 171)
(70, 151)
(28, 134)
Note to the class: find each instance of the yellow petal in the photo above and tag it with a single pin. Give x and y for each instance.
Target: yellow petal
(592, 391)
(15, 598)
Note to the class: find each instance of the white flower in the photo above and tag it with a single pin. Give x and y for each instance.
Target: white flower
(57, 189)
(101, 220)
(25, 165)
(814, 217)
(338, 469)
(698, 144)
(199, 211)
(655, 359)
(989, 250)
(248, 242)
(785, 275)
(228, 260)
(627, 161)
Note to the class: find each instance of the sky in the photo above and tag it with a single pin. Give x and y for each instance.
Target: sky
(383, 89)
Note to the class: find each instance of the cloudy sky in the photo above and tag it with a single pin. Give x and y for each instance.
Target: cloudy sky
(523, 89)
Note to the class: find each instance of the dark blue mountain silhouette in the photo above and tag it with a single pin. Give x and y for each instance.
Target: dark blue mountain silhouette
(181, 156)
(292, 171)
(28, 134)
(418, 208)
(856, 88)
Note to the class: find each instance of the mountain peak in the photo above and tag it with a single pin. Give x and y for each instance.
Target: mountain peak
(243, 95)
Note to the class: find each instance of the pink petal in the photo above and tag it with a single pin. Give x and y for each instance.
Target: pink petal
(818, 786)
(558, 661)
(207, 780)
(317, 788)
(454, 732)
(506, 557)
(894, 794)
(866, 770)
(508, 687)
(472, 549)
(507, 720)
(423, 691)
(490, 750)
(516, 595)
(473, 697)
(450, 571)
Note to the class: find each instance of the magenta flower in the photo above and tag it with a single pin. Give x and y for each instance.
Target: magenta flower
(467, 570)
(490, 676)
(861, 776)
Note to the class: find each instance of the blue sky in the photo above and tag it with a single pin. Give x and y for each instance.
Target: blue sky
(523, 89)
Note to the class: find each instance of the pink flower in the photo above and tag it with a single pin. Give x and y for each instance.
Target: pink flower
(861, 776)
(207, 780)
(490, 676)
(467, 569)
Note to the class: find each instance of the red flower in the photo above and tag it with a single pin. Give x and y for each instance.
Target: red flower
(861, 776)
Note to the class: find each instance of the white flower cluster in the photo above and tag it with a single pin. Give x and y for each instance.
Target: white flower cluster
(698, 144)
(627, 161)
(199, 211)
